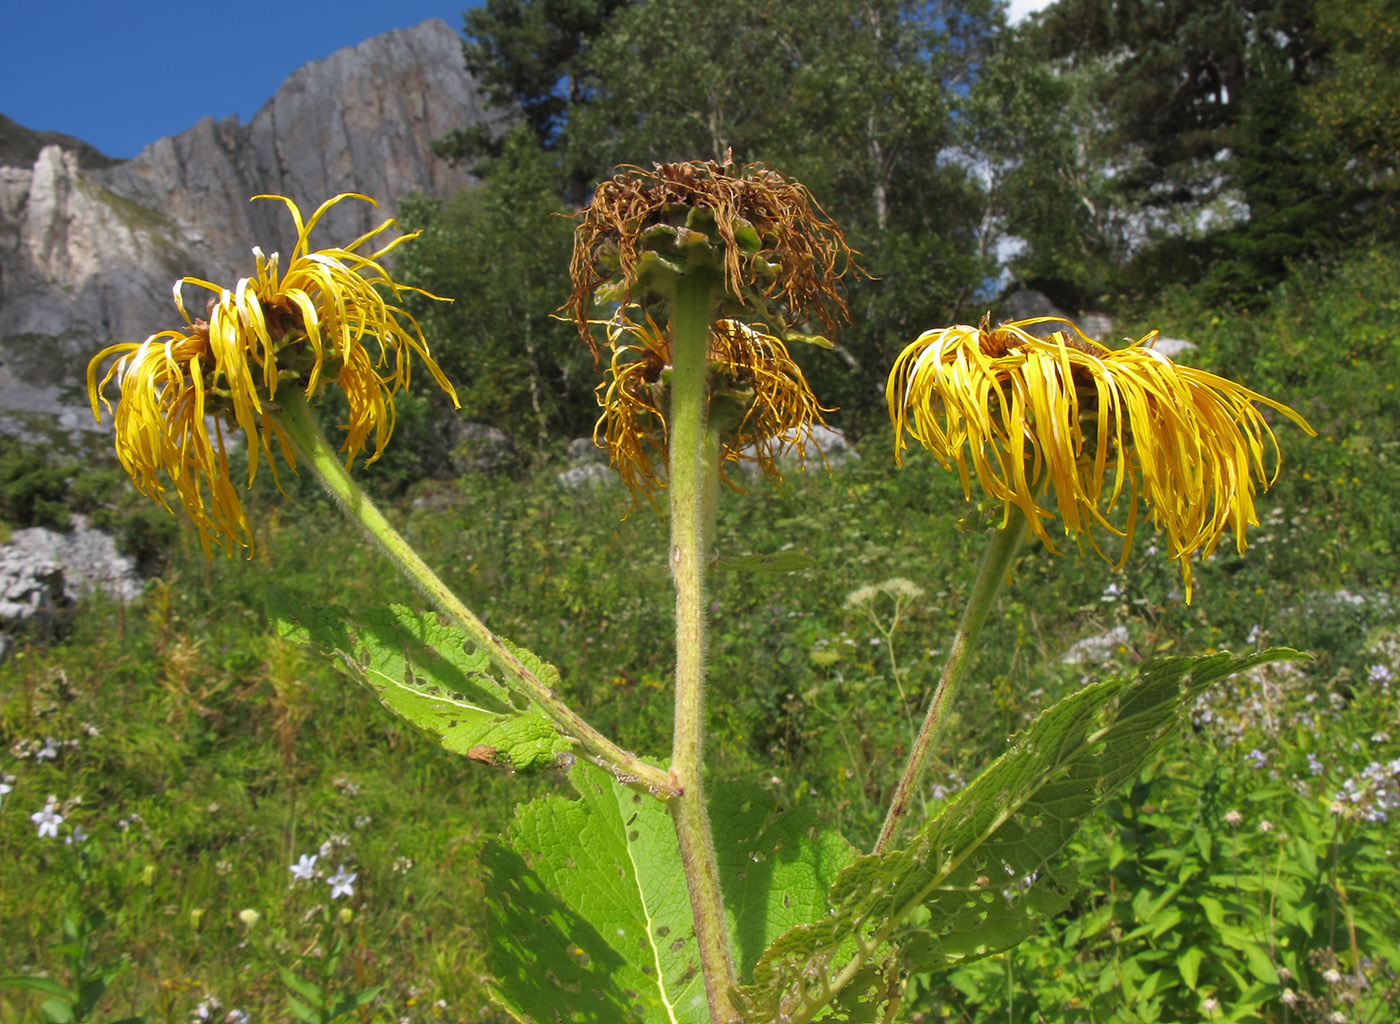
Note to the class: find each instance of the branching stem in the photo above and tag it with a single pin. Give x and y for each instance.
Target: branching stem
(315, 451)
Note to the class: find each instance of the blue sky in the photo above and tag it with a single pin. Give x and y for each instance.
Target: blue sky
(120, 74)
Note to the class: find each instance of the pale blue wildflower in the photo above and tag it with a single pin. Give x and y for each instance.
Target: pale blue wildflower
(305, 868)
(342, 882)
(48, 820)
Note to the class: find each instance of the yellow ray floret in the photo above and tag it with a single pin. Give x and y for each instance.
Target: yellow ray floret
(1062, 425)
(749, 368)
(333, 314)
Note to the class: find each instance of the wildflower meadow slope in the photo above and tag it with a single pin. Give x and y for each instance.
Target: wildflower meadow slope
(202, 822)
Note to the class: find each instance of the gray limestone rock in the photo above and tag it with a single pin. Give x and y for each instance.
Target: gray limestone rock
(586, 474)
(1099, 327)
(583, 450)
(89, 253)
(77, 263)
(359, 121)
(1173, 348)
(1025, 303)
(44, 572)
(824, 446)
(479, 447)
(588, 466)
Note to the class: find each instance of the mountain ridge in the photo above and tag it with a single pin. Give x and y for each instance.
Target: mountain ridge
(20, 146)
(90, 247)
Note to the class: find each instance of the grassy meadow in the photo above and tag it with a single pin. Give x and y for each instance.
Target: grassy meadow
(171, 768)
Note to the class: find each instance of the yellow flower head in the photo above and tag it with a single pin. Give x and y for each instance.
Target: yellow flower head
(332, 314)
(759, 399)
(781, 258)
(1064, 416)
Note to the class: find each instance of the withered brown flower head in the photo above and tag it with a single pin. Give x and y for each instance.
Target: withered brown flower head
(781, 256)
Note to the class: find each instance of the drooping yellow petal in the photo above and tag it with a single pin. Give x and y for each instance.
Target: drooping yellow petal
(778, 408)
(1043, 422)
(271, 328)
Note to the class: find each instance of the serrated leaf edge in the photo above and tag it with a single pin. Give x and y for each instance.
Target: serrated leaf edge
(865, 947)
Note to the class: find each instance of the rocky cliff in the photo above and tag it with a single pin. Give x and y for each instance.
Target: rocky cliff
(88, 252)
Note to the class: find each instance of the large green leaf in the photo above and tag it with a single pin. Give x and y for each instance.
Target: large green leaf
(430, 675)
(590, 920)
(775, 866)
(977, 877)
(590, 916)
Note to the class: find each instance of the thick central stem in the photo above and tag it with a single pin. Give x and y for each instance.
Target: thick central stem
(693, 470)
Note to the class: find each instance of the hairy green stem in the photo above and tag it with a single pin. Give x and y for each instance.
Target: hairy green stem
(995, 563)
(694, 461)
(315, 451)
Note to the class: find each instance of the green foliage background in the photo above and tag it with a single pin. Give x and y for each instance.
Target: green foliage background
(204, 754)
(1102, 151)
(222, 753)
